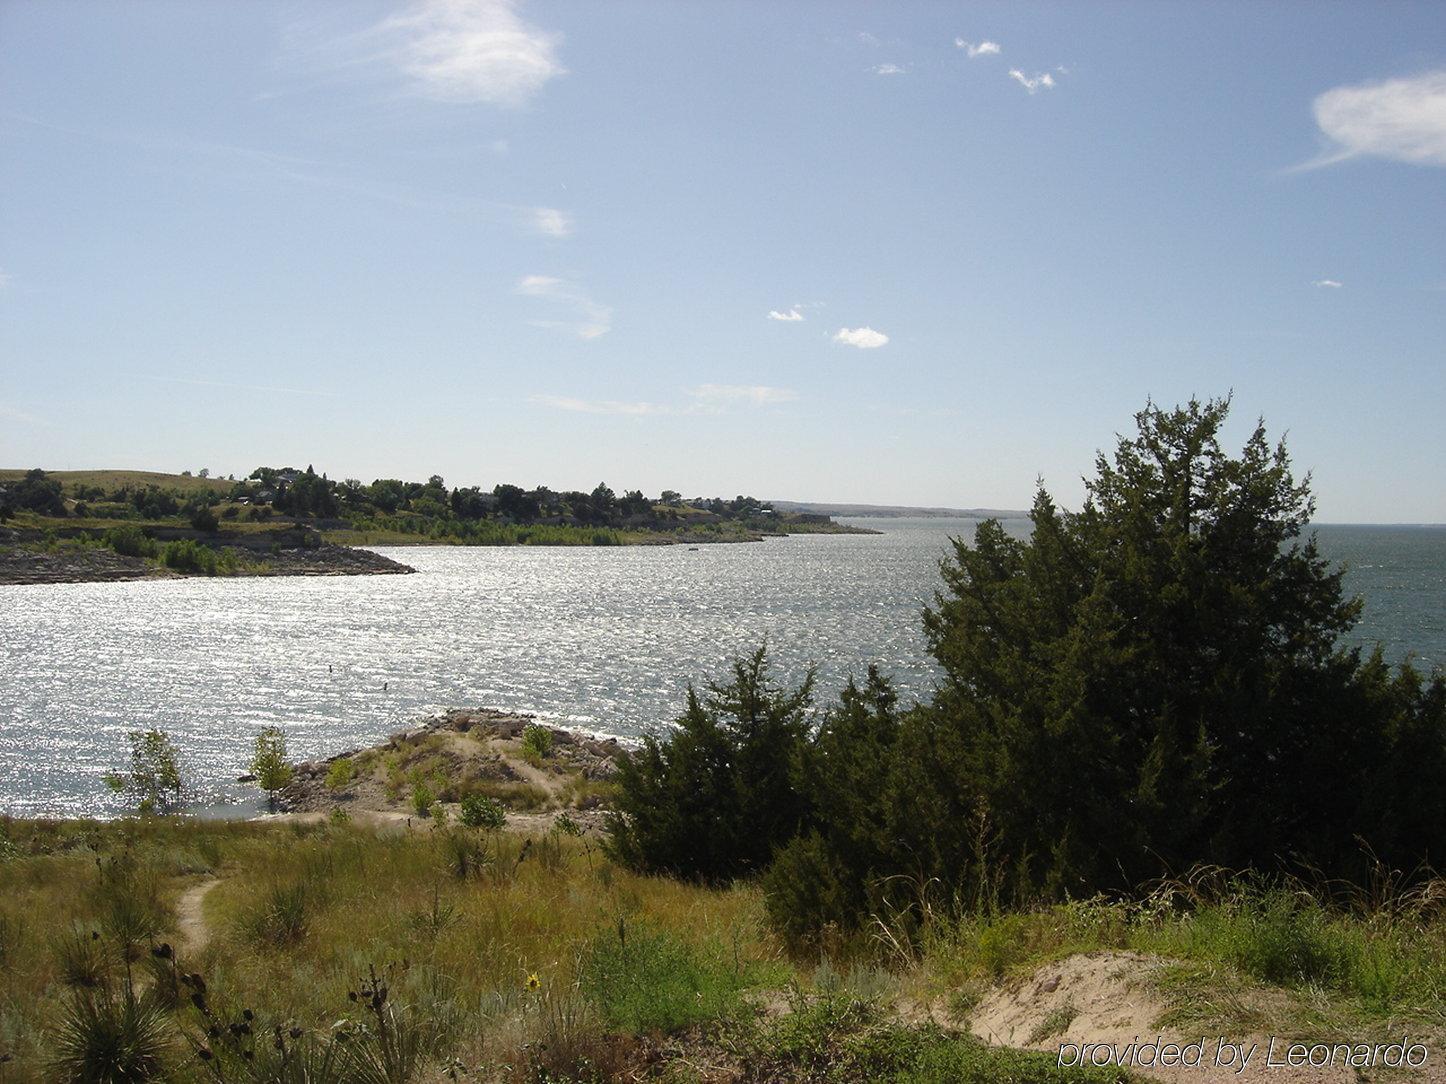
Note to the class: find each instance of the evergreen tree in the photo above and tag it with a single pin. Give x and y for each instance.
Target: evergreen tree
(1150, 683)
(715, 798)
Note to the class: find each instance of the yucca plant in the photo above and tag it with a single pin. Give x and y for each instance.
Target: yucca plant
(109, 1036)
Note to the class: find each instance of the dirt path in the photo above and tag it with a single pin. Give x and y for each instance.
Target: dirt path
(191, 928)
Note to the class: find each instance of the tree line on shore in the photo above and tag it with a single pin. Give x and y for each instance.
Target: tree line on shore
(305, 493)
(1153, 683)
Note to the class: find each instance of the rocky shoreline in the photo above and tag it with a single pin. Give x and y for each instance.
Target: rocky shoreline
(22, 564)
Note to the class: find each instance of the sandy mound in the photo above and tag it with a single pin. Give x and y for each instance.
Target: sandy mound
(1107, 998)
(1098, 997)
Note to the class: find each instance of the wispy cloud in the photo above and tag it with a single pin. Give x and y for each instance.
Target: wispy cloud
(753, 394)
(984, 48)
(593, 320)
(20, 417)
(1042, 81)
(704, 399)
(1329, 284)
(889, 69)
(469, 51)
(865, 338)
(596, 406)
(788, 316)
(206, 157)
(552, 222)
(5, 279)
(1400, 119)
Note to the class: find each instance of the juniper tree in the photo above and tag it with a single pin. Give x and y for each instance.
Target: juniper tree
(1154, 681)
(713, 799)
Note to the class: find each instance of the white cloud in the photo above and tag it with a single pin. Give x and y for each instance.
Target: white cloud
(470, 51)
(866, 38)
(1330, 284)
(593, 320)
(888, 69)
(1042, 80)
(551, 221)
(791, 315)
(865, 338)
(5, 281)
(752, 394)
(1400, 119)
(984, 48)
(597, 406)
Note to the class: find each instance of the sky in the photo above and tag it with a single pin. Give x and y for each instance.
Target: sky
(901, 253)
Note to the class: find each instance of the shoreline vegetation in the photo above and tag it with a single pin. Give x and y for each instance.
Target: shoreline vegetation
(76, 526)
(1153, 822)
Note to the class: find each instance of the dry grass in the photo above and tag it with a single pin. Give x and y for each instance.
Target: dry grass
(303, 911)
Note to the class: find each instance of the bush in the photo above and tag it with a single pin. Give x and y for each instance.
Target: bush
(340, 773)
(480, 811)
(130, 541)
(112, 1036)
(422, 799)
(536, 742)
(714, 799)
(185, 555)
(204, 520)
(647, 980)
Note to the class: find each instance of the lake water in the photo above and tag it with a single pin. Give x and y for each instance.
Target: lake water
(603, 639)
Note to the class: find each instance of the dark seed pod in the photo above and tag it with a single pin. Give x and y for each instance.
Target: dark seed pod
(205, 1053)
(247, 1015)
(295, 1033)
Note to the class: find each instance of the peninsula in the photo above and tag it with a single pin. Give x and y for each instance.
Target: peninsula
(73, 526)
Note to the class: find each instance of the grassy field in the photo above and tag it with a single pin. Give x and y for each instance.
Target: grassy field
(500, 957)
(460, 954)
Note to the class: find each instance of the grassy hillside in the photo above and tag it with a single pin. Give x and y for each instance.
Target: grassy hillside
(438, 953)
(136, 479)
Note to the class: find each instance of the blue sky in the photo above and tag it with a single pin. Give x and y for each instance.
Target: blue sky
(550, 242)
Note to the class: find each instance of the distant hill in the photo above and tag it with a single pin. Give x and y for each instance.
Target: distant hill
(116, 479)
(896, 511)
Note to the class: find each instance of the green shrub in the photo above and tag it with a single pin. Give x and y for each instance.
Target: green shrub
(537, 742)
(715, 798)
(112, 1036)
(649, 980)
(130, 541)
(480, 811)
(340, 773)
(422, 799)
(204, 520)
(185, 555)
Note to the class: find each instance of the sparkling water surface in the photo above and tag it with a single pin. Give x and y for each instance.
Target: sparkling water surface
(600, 638)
